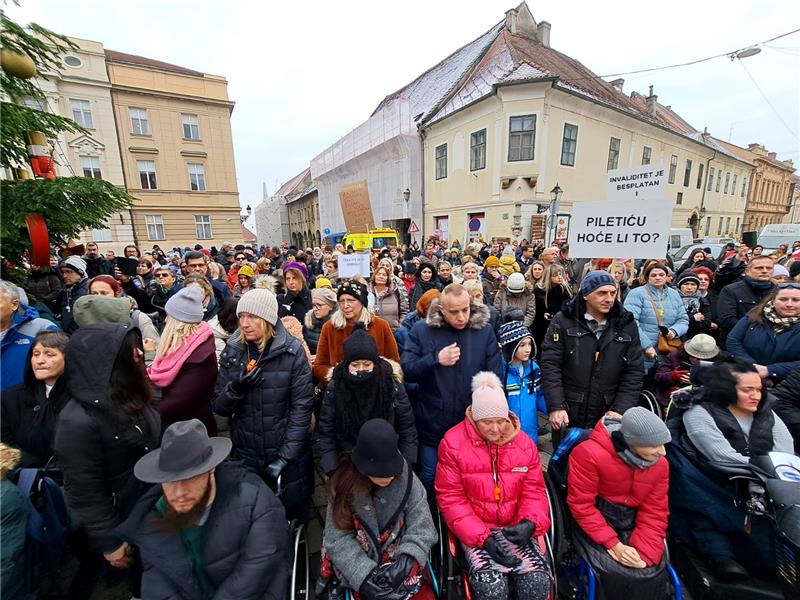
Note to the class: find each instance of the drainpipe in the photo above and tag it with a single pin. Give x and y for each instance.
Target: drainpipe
(422, 187)
(703, 196)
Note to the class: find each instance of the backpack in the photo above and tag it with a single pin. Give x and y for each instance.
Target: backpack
(48, 524)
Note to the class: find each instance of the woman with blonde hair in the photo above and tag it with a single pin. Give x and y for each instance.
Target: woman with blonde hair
(620, 274)
(185, 367)
(550, 292)
(390, 303)
(210, 305)
(535, 272)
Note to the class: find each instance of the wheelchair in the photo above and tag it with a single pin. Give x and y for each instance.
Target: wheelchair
(574, 575)
(300, 582)
(453, 581)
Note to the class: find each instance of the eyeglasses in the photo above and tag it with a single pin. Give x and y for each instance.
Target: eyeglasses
(789, 285)
(240, 258)
(163, 274)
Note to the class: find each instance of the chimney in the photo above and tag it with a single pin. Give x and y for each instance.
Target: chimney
(773, 155)
(618, 83)
(651, 103)
(543, 33)
(757, 149)
(511, 20)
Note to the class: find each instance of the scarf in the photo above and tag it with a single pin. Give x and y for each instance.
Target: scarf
(779, 324)
(623, 450)
(359, 399)
(165, 368)
(691, 302)
(759, 285)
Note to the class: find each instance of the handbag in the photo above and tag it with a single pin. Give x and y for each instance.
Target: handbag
(665, 345)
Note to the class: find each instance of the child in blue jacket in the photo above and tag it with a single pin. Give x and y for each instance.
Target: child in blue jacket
(522, 377)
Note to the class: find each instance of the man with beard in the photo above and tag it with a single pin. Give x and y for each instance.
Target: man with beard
(95, 263)
(208, 528)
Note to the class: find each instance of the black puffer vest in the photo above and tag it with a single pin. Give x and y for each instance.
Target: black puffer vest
(760, 440)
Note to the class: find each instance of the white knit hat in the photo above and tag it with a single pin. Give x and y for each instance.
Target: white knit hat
(76, 263)
(488, 398)
(261, 303)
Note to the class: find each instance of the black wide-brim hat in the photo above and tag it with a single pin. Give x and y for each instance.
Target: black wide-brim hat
(186, 451)
(376, 453)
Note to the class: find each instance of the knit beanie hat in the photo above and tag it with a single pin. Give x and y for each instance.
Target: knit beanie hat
(89, 310)
(360, 346)
(510, 336)
(424, 302)
(491, 261)
(688, 277)
(245, 270)
(640, 427)
(594, 280)
(516, 283)
(780, 270)
(299, 267)
(409, 268)
(488, 398)
(355, 289)
(261, 303)
(323, 282)
(76, 263)
(187, 305)
(325, 294)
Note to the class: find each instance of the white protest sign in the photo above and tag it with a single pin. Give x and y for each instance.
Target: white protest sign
(647, 181)
(634, 228)
(351, 265)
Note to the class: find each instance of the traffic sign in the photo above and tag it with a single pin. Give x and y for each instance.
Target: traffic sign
(327, 231)
(413, 228)
(474, 224)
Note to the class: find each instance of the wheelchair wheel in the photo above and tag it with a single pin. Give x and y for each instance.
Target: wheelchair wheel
(647, 399)
(301, 571)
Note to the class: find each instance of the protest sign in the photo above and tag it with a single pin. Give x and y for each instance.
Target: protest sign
(356, 208)
(647, 181)
(620, 229)
(351, 265)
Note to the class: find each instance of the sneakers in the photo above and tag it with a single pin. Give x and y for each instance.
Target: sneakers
(727, 569)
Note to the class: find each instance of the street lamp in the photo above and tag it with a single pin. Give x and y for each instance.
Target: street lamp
(555, 194)
(406, 194)
(249, 211)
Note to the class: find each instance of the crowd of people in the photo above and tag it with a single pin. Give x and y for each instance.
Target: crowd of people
(184, 395)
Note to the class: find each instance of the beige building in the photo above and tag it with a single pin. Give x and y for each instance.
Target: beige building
(302, 203)
(793, 216)
(770, 196)
(81, 90)
(173, 126)
(524, 117)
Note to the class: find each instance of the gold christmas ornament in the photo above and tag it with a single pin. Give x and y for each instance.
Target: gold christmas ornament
(16, 64)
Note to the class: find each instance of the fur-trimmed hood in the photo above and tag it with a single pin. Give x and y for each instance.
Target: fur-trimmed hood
(479, 315)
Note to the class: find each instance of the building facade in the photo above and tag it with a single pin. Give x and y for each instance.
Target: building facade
(173, 127)
(272, 216)
(302, 205)
(525, 118)
(770, 197)
(793, 216)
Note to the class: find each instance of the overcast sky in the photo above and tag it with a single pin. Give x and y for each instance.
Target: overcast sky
(304, 74)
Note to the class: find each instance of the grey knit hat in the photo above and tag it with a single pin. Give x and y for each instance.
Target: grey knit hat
(640, 427)
(261, 303)
(76, 263)
(187, 305)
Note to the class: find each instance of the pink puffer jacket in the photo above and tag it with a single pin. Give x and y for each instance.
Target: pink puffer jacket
(465, 486)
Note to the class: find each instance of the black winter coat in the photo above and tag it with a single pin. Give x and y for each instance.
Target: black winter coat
(735, 301)
(97, 266)
(66, 300)
(96, 444)
(29, 417)
(787, 405)
(295, 305)
(246, 550)
(545, 311)
(334, 441)
(446, 392)
(44, 287)
(273, 420)
(586, 376)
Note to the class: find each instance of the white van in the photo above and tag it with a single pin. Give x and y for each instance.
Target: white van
(772, 236)
(678, 238)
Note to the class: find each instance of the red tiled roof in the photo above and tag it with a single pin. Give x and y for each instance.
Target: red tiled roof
(291, 185)
(665, 114)
(247, 235)
(141, 61)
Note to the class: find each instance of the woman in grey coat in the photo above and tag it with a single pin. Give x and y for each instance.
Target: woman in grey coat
(378, 529)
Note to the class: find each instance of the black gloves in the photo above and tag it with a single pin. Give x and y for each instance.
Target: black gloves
(498, 551)
(386, 582)
(396, 571)
(275, 468)
(247, 381)
(519, 534)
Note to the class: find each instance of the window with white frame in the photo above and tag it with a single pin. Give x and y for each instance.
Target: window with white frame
(744, 186)
(687, 174)
(155, 227)
(710, 179)
(191, 127)
(34, 103)
(569, 145)
(727, 181)
(139, 124)
(733, 186)
(521, 137)
(147, 174)
(197, 177)
(441, 161)
(102, 235)
(91, 167)
(202, 225)
(708, 226)
(477, 150)
(700, 176)
(82, 112)
(719, 180)
(719, 225)
(647, 152)
(613, 154)
(673, 168)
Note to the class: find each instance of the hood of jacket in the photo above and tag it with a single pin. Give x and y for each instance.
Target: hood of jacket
(90, 359)
(410, 319)
(478, 315)
(472, 429)
(101, 309)
(24, 314)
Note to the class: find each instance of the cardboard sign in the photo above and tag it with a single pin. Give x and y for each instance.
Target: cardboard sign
(620, 229)
(356, 208)
(351, 265)
(647, 181)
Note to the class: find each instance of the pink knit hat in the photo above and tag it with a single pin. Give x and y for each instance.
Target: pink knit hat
(488, 399)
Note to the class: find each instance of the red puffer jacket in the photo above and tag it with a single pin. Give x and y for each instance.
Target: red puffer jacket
(596, 470)
(465, 487)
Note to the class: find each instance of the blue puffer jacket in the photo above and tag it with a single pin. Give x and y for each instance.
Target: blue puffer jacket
(25, 324)
(667, 300)
(446, 392)
(525, 396)
(757, 343)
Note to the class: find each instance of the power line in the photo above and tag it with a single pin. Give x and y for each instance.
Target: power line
(763, 95)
